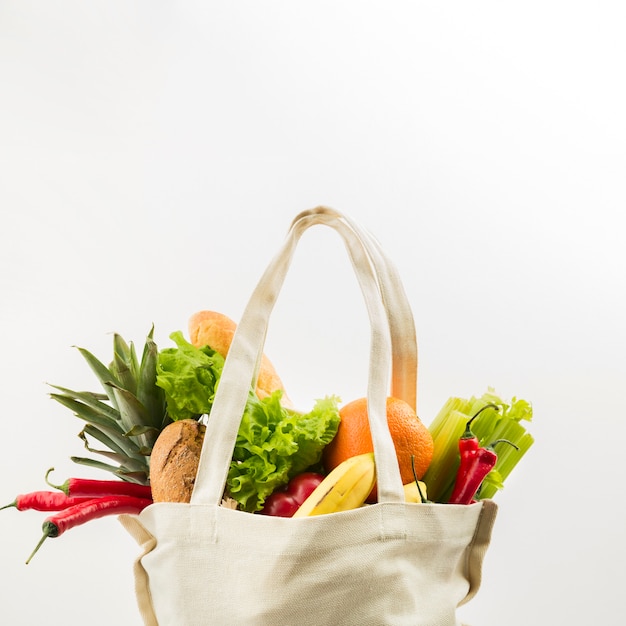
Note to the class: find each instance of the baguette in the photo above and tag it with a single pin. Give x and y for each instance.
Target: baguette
(209, 328)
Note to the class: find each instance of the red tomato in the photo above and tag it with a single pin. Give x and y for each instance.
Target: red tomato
(287, 501)
(303, 485)
(280, 504)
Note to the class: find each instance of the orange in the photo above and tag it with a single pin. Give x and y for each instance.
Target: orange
(410, 437)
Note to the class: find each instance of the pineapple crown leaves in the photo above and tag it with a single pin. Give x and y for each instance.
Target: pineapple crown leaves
(130, 414)
(128, 466)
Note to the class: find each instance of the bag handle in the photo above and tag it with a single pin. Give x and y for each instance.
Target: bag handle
(246, 350)
(398, 310)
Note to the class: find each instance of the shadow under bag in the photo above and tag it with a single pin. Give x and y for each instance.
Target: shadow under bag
(393, 562)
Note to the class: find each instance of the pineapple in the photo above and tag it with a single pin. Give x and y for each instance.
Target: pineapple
(128, 417)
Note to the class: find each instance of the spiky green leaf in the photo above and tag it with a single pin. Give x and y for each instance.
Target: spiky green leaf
(149, 394)
(122, 472)
(132, 412)
(103, 374)
(118, 443)
(135, 431)
(122, 459)
(125, 365)
(142, 478)
(89, 414)
(92, 400)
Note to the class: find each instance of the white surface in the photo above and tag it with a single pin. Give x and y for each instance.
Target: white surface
(152, 155)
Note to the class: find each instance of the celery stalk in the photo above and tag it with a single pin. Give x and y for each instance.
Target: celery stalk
(445, 461)
(453, 404)
(448, 426)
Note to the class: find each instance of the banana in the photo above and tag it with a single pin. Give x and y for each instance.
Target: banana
(412, 494)
(346, 487)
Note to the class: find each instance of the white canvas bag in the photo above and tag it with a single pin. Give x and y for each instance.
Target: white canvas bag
(390, 563)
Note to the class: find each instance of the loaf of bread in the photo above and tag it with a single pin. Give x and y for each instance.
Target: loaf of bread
(209, 328)
(176, 453)
(174, 461)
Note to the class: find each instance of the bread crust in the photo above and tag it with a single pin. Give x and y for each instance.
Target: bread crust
(174, 461)
(210, 328)
(176, 453)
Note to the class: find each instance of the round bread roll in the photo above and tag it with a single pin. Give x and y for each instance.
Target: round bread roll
(174, 461)
(209, 328)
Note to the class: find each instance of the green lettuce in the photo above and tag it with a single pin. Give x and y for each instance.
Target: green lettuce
(273, 444)
(188, 376)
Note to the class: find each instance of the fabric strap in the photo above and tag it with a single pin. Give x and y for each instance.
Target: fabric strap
(397, 309)
(392, 341)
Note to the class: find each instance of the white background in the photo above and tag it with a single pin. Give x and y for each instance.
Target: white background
(152, 155)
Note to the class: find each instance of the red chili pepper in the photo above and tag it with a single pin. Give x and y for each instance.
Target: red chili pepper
(483, 461)
(285, 502)
(44, 501)
(89, 509)
(469, 444)
(95, 488)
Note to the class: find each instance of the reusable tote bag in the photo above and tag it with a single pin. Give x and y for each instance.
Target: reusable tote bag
(390, 563)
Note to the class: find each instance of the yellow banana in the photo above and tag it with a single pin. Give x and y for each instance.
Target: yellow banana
(346, 487)
(412, 494)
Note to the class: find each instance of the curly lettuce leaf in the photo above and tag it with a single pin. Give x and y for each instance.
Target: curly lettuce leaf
(275, 444)
(189, 377)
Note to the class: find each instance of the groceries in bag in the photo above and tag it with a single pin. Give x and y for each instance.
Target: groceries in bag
(149, 417)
